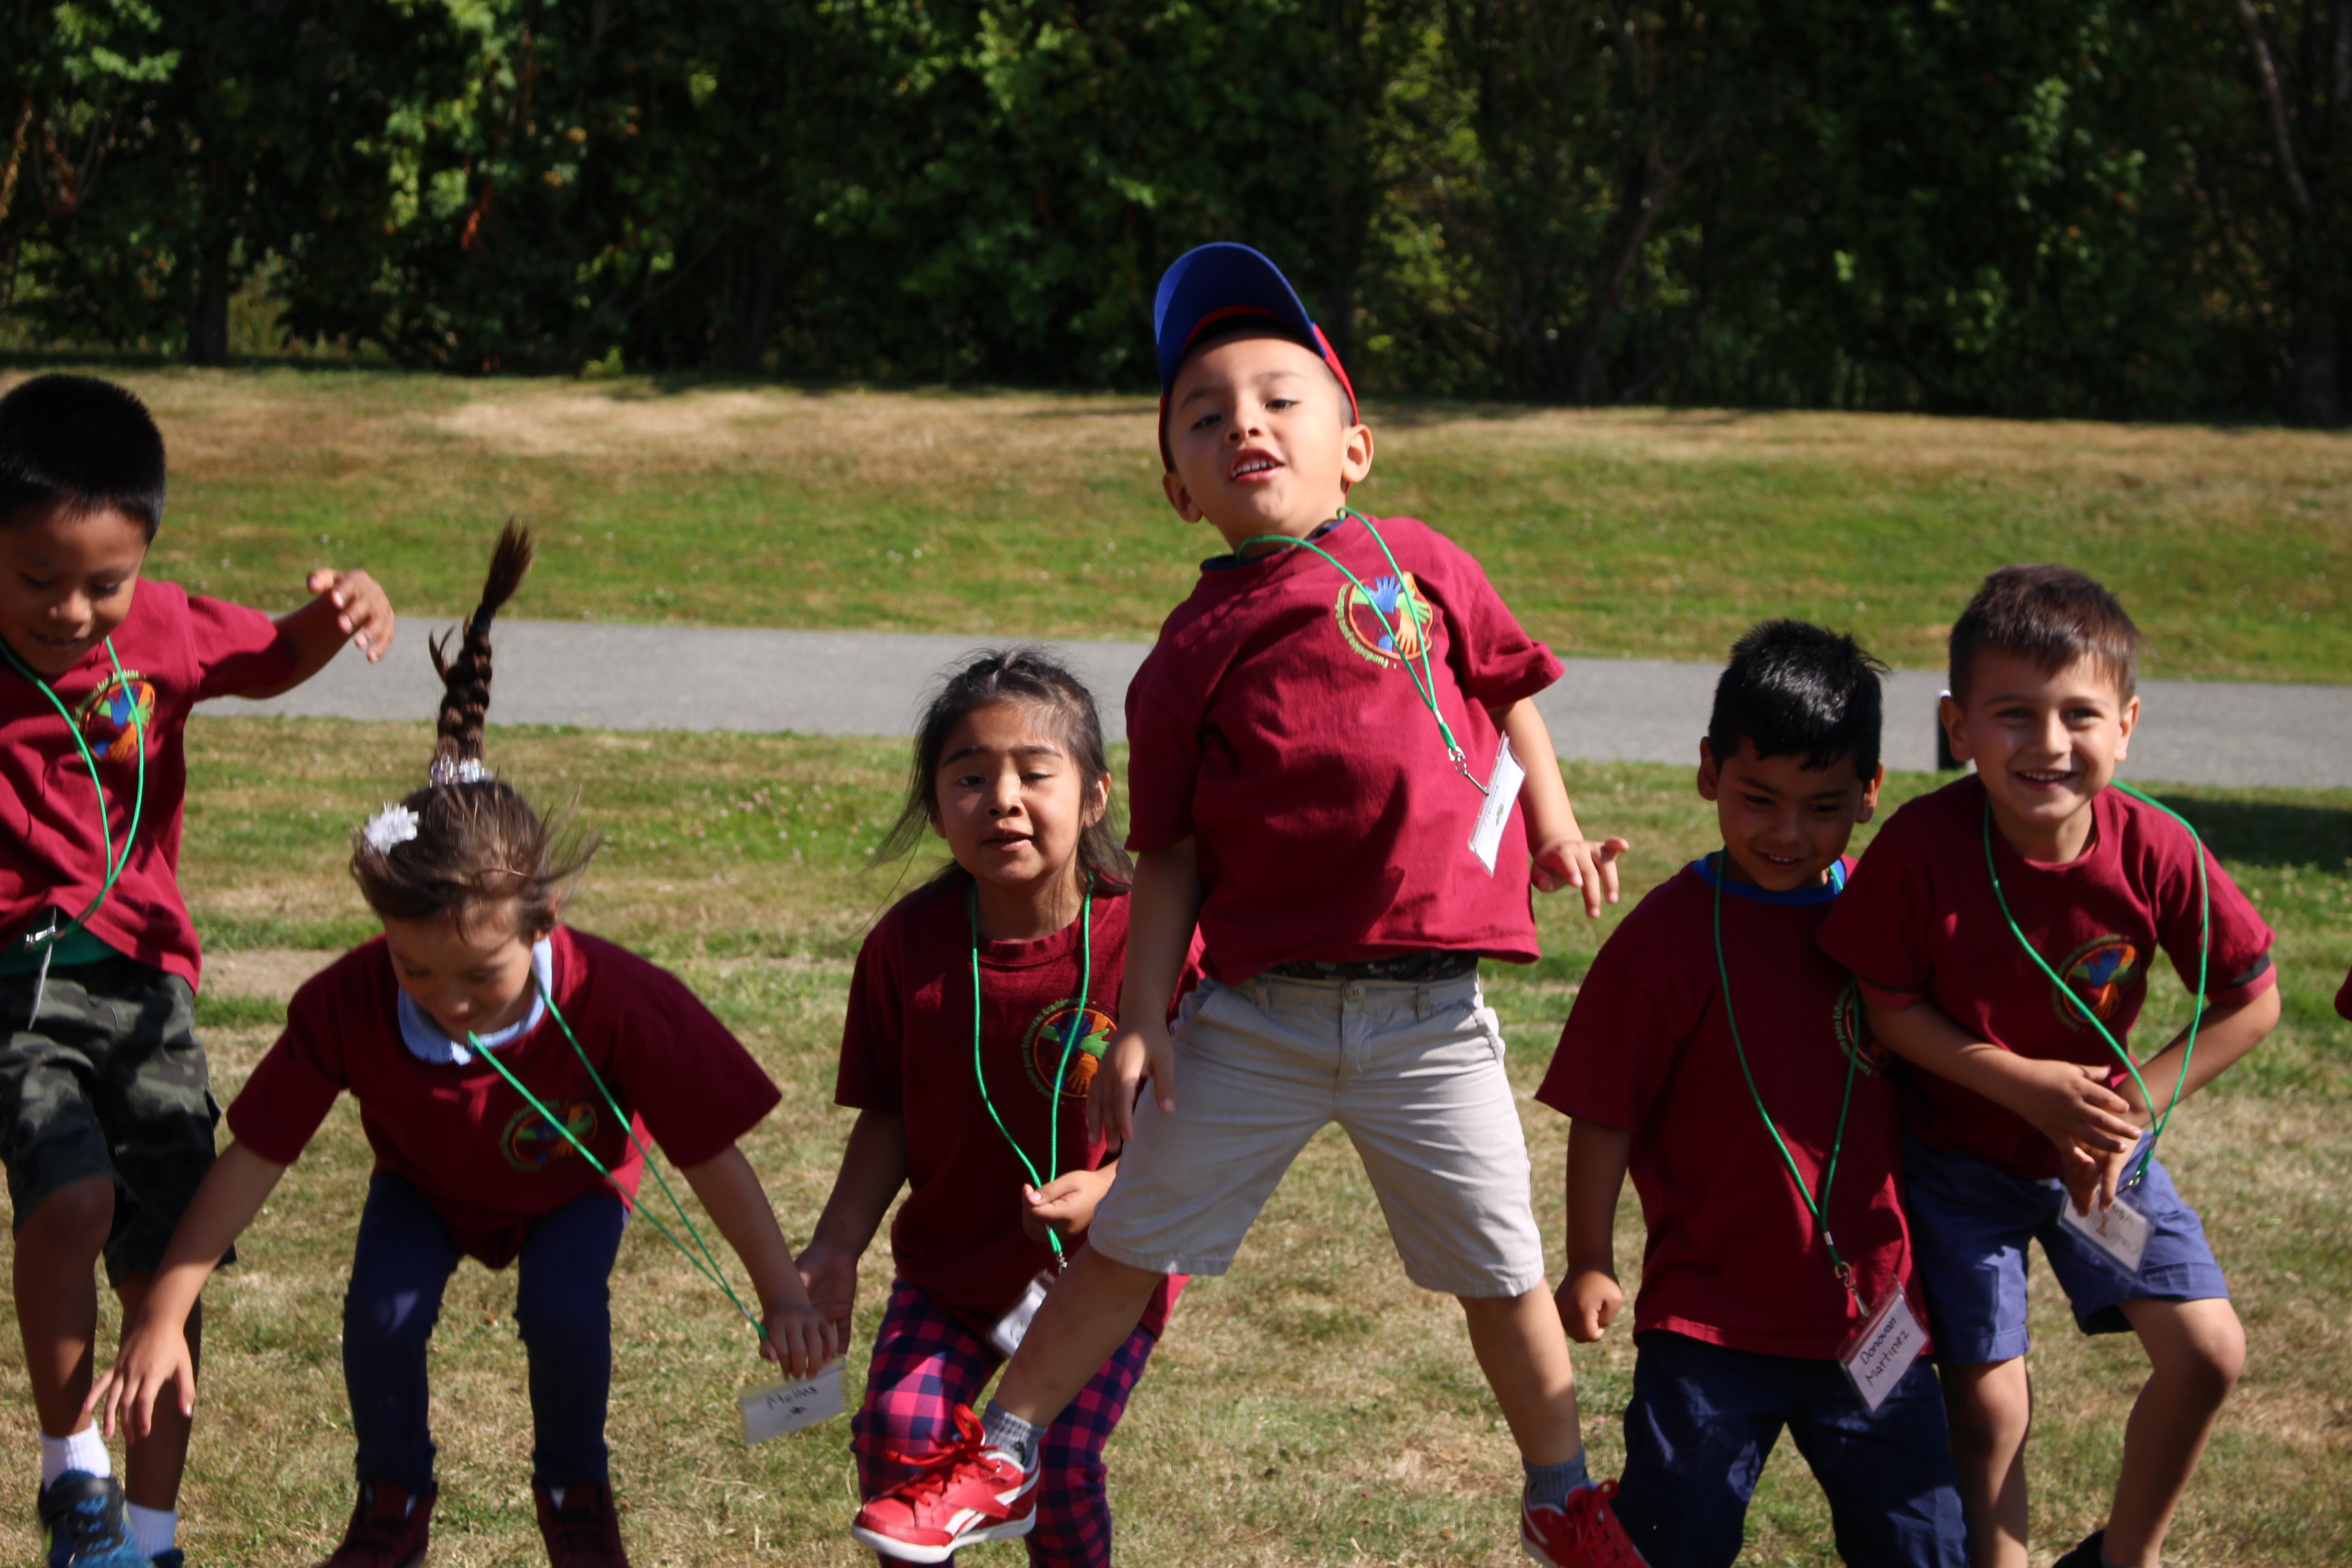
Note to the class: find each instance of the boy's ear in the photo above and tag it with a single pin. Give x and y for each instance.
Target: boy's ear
(2128, 721)
(1950, 714)
(1869, 807)
(1172, 484)
(1356, 455)
(1710, 771)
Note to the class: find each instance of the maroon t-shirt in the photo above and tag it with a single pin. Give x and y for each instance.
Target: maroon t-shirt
(905, 1047)
(2343, 998)
(1921, 924)
(176, 650)
(1276, 722)
(1734, 1257)
(487, 1161)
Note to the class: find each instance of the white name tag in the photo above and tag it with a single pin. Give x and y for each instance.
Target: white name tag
(2121, 1232)
(1502, 793)
(789, 1407)
(1013, 1327)
(1881, 1352)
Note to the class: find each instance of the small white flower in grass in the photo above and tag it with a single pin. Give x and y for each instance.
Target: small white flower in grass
(396, 824)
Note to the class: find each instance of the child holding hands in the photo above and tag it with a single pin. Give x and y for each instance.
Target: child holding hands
(977, 1020)
(505, 1068)
(1718, 1053)
(2002, 929)
(106, 1116)
(1318, 778)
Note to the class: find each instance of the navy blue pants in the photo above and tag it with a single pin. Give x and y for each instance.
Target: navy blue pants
(563, 1305)
(1702, 1419)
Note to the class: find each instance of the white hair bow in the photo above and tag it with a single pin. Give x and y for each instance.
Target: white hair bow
(395, 825)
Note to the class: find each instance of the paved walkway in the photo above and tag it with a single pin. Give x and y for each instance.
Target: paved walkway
(872, 683)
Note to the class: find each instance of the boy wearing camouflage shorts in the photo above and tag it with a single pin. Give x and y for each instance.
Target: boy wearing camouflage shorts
(106, 1122)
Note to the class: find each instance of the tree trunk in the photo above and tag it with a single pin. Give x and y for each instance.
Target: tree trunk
(208, 312)
(2313, 380)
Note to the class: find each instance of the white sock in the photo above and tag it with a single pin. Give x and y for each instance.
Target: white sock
(85, 1450)
(154, 1531)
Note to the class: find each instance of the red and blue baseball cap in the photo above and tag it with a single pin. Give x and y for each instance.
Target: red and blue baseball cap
(1214, 283)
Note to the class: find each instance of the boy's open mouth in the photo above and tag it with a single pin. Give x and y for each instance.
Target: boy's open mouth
(1253, 465)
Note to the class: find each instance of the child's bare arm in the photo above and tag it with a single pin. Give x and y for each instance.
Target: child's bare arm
(799, 1339)
(873, 1169)
(1590, 1296)
(348, 607)
(1563, 856)
(154, 1352)
(2065, 1102)
(1161, 912)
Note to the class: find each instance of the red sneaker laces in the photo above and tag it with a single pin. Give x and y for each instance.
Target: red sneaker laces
(935, 1469)
(1586, 1513)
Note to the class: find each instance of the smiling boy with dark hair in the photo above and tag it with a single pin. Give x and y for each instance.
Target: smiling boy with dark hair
(106, 1119)
(2002, 929)
(1716, 1052)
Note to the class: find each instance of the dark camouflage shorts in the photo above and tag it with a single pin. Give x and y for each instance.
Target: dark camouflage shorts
(108, 1080)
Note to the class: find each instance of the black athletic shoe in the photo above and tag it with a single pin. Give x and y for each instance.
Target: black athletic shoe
(2088, 1554)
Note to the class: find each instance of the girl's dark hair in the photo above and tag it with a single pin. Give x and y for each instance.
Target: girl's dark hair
(1022, 675)
(480, 845)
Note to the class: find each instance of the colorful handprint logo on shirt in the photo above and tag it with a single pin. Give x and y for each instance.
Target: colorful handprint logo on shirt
(1386, 620)
(533, 1143)
(1047, 1037)
(2102, 973)
(116, 714)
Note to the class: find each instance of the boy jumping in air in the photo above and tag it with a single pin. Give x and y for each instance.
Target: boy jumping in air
(2002, 929)
(1718, 1053)
(105, 1117)
(1319, 777)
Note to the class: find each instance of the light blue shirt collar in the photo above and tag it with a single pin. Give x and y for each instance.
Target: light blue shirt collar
(427, 1043)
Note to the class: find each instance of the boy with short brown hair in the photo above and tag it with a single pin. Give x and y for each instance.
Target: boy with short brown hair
(2001, 929)
(105, 1117)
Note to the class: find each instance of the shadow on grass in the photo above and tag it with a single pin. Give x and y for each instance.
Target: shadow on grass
(2271, 833)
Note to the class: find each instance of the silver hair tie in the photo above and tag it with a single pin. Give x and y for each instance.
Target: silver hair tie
(457, 771)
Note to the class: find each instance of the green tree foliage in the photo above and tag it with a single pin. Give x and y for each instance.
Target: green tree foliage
(2119, 208)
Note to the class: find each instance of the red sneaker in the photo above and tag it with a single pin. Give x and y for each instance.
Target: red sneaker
(1584, 1534)
(583, 1531)
(389, 1528)
(967, 1493)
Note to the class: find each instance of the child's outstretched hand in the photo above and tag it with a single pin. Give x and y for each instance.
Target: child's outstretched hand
(362, 612)
(1134, 1056)
(153, 1359)
(799, 1339)
(1587, 864)
(1065, 1207)
(1589, 1300)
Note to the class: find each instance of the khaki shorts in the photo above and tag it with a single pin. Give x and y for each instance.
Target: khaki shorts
(1414, 1072)
(107, 1080)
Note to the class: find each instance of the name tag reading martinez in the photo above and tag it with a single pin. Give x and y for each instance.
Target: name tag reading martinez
(790, 1406)
(1878, 1354)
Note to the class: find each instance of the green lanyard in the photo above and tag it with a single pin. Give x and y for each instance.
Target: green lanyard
(1069, 1043)
(1423, 681)
(114, 867)
(707, 1265)
(2204, 958)
(1818, 1205)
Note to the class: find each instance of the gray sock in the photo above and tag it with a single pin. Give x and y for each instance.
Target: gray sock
(1548, 1485)
(1002, 1429)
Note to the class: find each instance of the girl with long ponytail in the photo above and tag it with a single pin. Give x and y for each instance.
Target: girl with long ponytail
(507, 1069)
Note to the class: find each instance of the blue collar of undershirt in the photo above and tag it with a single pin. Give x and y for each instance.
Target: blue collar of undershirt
(1819, 893)
(427, 1043)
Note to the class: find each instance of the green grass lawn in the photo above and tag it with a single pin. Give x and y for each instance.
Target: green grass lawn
(1628, 531)
(1310, 1407)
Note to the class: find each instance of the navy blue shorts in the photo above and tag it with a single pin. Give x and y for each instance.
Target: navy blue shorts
(1969, 1225)
(1702, 1419)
